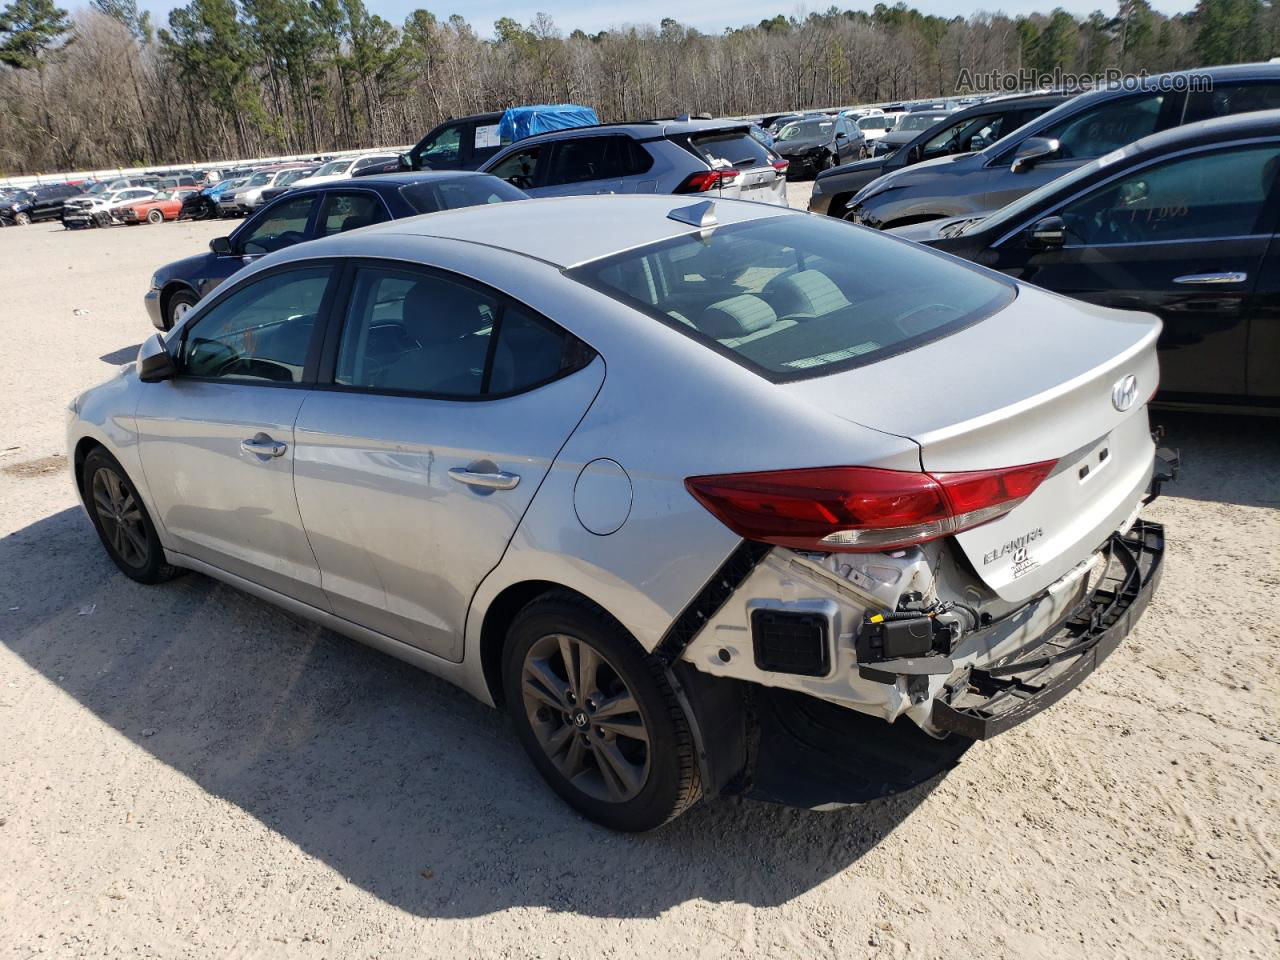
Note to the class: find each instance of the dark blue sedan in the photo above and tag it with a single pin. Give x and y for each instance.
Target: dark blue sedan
(309, 213)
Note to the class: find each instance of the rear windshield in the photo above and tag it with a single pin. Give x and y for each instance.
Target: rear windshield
(734, 148)
(793, 297)
(432, 195)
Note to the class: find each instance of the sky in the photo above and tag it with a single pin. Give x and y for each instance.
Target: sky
(596, 15)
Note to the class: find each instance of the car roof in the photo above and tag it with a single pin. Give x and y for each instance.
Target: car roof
(562, 231)
(389, 181)
(640, 129)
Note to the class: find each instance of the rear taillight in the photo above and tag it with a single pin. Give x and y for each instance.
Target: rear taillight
(706, 180)
(781, 165)
(862, 509)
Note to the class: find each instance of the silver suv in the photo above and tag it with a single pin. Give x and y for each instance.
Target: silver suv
(651, 156)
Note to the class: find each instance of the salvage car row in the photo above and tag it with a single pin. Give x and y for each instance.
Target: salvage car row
(711, 497)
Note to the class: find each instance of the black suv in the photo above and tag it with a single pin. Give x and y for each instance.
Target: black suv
(460, 143)
(961, 131)
(42, 203)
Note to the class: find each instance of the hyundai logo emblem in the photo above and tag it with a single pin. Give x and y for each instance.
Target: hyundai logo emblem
(1124, 393)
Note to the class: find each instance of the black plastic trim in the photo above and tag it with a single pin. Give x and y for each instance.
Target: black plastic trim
(708, 601)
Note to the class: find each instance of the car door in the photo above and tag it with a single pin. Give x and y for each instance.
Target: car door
(286, 222)
(1182, 237)
(1263, 370)
(446, 404)
(583, 165)
(1091, 133)
(217, 441)
(484, 142)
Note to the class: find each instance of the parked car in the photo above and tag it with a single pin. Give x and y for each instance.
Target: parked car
(776, 123)
(309, 213)
(875, 126)
(248, 196)
(226, 187)
(345, 167)
(41, 203)
(101, 210)
(1182, 224)
(165, 205)
(819, 143)
(653, 156)
(286, 180)
(974, 128)
(768, 551)
(1079, 130)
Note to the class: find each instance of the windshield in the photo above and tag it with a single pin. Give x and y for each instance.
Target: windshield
(332, 167)
(873, 123)
(291, 175)
(806, 130)
(258, 179)
(164, 195)
(795, 297)
(98, 189)
(918, 121)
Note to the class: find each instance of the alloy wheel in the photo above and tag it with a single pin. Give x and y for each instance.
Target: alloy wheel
(120, 514)
(585, 718)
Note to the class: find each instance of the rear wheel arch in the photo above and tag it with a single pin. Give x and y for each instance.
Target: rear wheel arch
(499, 616)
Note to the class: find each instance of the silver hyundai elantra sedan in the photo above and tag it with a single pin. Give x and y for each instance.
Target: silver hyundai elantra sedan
(712, 497)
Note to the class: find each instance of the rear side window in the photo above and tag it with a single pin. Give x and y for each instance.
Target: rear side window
(428, 197)
(735, 148)
(1223, 101)
(349, 211)
(797, 297)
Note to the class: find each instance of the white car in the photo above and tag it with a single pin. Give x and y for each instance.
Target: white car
(344, 167)
(100, 211)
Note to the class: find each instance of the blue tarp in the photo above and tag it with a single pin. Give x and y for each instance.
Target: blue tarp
(520, 122)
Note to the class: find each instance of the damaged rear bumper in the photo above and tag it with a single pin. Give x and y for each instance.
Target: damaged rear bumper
(991, 700)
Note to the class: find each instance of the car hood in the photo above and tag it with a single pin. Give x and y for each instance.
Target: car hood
(931, 230)
(919, 172)
(870, 165)
(192, 266)
(785, 147)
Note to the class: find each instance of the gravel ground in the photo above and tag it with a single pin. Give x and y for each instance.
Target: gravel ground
(187, 772)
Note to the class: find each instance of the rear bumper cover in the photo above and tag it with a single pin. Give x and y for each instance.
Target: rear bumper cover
(989, 701)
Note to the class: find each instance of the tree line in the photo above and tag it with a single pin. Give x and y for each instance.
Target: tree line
(107, 87)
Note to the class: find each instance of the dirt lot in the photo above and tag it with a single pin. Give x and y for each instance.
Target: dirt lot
(187, 772)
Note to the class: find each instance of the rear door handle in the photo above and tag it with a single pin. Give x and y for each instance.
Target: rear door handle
(263, 446)
(488, 479)
(1229, 277)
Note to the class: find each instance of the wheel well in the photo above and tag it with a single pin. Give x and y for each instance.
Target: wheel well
(82, 451)
(166, 294)
(835, 207)
(498, 618)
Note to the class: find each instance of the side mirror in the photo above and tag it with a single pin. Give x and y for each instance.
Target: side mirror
(915, 154)
(155, 363)
(1049, 232)
(221, 246)
(841, 135)
(1031, 151)
(406, 161)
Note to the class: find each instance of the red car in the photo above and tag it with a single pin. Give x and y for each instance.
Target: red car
(163, 206)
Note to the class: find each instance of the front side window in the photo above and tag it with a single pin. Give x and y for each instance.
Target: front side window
(519, 168)
(283, 225)
(1198, 197)
(796, 297)
(417, 332)
(444, 147)
(1107, 127)
(350, 211)
(261, 332)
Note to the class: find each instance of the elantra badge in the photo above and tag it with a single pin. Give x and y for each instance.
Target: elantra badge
(1124, 393)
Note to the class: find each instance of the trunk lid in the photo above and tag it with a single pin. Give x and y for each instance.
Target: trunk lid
(1032, 382)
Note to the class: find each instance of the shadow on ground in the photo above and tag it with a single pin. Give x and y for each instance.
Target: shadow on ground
(377, 769)
(1225, 459)
(123, 355)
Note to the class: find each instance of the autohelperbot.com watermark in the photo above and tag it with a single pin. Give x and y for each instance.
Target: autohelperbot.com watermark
(1018, 81)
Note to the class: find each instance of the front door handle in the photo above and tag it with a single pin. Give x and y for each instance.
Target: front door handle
(1229, 277)
(488, 479)
(263, 446)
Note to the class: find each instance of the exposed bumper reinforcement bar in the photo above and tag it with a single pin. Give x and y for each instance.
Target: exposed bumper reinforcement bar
(992, 700)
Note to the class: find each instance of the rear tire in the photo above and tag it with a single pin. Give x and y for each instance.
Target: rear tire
(154, 216)
(121, 520)
(597, 716)
(22, 219)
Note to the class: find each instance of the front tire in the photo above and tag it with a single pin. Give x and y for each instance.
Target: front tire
(22, 219)
(155, 216)
(597, 716)
(179, 305)
(122, 522)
